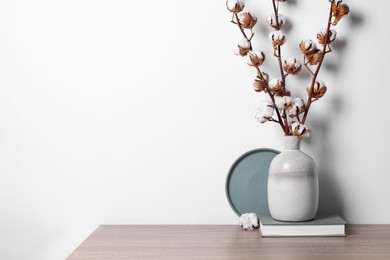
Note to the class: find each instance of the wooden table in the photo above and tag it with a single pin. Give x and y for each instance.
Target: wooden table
(228, 242)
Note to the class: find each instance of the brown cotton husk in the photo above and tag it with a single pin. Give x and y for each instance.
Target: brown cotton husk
(243, 51)
(314, 58)
(321, 36)
(236, 9)
(278, 92)
(277, 25)
(339, 9)
(260, 85)
(255, 59)
(307, 49)
(277, 42)
(247, 20)
(319, 93)
(292, 68)
(265, 76)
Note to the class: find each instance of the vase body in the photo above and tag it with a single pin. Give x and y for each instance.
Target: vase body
(293, 184)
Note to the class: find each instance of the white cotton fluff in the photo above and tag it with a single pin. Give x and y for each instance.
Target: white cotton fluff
(249, 221)
(332, 35)
(300, 130)
(298, 106)
(259, 54)
(298, 102)
(273, 83)
(264, 111)
(292, 62)
(271, 20)
(309, 45)
(319, 84)
(282, 102)
(276, 35)
(241, 15)
(282, 19)
(232, 3)
(295, 125)
(243, 43)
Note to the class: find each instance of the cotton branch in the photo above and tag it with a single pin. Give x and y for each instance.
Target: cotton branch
(260, 75)
(276, 87)
(324, 52)
(278, 50)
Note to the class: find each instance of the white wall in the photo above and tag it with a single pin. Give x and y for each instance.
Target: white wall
(133, 111)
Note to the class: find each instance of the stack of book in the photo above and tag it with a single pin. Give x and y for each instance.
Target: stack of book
(319, 226)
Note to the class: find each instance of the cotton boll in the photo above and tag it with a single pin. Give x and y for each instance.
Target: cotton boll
(271, 20)
(249, 221)
(259, 85)
(319, 84)
(254, 220)
(255, 58)
(339, 9)
(276, 86)
(292, 66)
(300, 130)
(297, 107)
(315, 57)
(300, 104)
(318, 90)
(267, 109)
(278, 38)
(242, 47)
(235, 6)
(282, 102)
(276, 35)
(275, 83)
(307, 47)
(247, 20)
(264, 112)
(321, 36)
(245, 222)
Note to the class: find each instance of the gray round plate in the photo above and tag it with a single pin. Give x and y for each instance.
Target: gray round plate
(246, 182)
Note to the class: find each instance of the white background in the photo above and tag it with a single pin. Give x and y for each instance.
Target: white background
(115, 111)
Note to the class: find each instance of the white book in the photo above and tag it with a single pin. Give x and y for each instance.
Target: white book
(320, 226)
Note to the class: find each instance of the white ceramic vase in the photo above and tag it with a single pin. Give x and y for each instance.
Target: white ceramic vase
(292, 184)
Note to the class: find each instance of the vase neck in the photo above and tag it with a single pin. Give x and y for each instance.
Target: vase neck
(292, 142)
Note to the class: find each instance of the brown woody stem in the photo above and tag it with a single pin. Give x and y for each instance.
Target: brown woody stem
(243, 32)
(279, 51)
(260, 75)
(278, 55)
(307, 67)
(314, 78)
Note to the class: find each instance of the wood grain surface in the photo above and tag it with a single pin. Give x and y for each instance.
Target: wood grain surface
(228, 242)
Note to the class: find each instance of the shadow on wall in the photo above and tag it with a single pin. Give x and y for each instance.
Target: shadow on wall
(330, 190)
